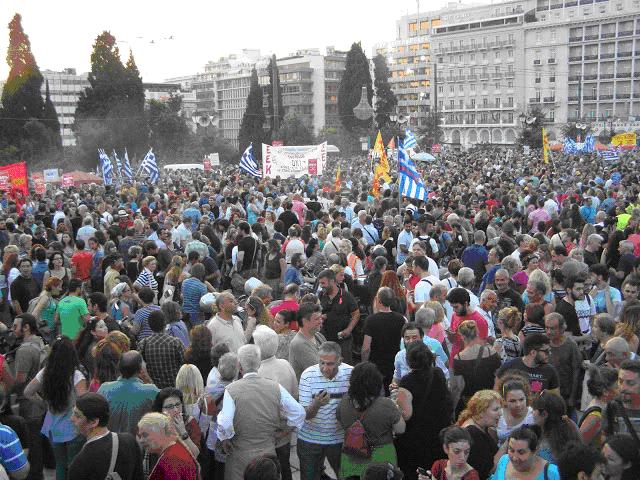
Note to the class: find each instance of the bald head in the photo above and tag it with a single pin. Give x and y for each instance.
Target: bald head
(616, 350)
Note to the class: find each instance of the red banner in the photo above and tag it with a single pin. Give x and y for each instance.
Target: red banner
(14, 177)
(435, 148)
(67, 180)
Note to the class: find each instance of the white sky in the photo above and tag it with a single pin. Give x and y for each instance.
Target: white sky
(62, 32)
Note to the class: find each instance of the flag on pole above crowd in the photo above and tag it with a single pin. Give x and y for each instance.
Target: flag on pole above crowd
(118, 164)
(107, 168)
(610, 155)
(337, 184)
(411, 184)
(248, 163)
(545, 146)
(383, 168)
(150, 166)
(410, 141)
(127, 166)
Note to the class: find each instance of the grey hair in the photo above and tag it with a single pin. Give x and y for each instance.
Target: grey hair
(262, 291)
(511, 264)
(249, 358)
(172, 311)
(466, 277)
(266, 340)
(228, 367)
(336, 232)
(157, 422)
(485, 293)
(425, 318)
(627, 244)
(330, 348)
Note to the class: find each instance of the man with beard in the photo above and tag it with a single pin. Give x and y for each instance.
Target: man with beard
(507, 296)
(574, 286)
(340, 311)
(534, 364)
(623, 413)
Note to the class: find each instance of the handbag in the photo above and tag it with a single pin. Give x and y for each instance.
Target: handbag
(167, 293)
(356, 441)
(112, 474)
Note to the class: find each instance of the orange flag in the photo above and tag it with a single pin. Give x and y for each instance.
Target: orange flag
(337, 184)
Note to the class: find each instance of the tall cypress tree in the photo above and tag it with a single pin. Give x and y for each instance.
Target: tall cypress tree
(134, 130)
(21, 97)
(386, 100)
(252, 126)
(274, 86)
(50, 119)
(356, 75)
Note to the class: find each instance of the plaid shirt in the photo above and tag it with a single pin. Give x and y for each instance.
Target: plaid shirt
(164, 356)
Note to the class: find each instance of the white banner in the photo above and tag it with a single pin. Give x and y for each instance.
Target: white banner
(51, 175)
(215, 159)
(287, 162)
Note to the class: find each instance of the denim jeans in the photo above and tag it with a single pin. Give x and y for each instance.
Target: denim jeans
(312, 455)
(64, 453)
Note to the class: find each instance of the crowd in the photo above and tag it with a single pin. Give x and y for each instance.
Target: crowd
(213, 326)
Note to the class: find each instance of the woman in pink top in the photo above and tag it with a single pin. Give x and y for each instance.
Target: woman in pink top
(437, 330)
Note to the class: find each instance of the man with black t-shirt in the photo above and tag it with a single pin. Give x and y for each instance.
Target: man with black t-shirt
(574, 286)
(382, 333)
(288, 217)
(535, 364)
(24, 288)
(247, 248)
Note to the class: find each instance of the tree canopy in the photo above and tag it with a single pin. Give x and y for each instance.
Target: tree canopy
(252, 126)
(356, 75)
(386, 100)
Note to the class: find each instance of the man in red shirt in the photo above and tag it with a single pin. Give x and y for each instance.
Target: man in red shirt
(157, 435)
(81, 262)
(460, 303)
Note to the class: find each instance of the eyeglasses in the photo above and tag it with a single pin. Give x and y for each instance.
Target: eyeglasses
(171, 406)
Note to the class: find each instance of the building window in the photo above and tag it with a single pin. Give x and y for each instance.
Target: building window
(510, 53)
(510, 102)
(497, 54)
(472, 88)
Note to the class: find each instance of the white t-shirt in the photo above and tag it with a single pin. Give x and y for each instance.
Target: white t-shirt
(423, 287)
(585, 309)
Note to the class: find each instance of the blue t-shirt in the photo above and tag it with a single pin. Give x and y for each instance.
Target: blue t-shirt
(12, 455)
(501, 471)
(600, 301)
(192, 291)
(292, 275)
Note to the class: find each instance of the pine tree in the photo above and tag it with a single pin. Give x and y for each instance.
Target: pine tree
(274, 77)
(294, 132)
(21, 97)
(251, 128)
(50, 119)
(134, 130)
(386, 100)
(356, 75)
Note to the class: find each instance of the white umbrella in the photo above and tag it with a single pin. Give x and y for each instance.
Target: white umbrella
(423, 157)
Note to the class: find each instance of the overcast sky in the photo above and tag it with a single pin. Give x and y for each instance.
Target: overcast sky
(62, 32)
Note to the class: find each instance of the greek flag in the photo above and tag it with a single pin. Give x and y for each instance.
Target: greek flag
(127, 166)
(409, 139)
(107, 168)
(610, 155)
(150, 166)
(570, 146)
(118, 163)
(411, 184)
(589, 143)
(248, 164)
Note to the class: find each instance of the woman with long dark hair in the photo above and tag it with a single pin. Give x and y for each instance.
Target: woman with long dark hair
(94, 331)
(423, 398)
(550, 413)
(378, 414)
(59, 383)
(199, 351)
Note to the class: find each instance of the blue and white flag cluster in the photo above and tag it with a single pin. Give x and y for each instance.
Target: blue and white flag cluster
(411, 184)
(571, 147)
(409, 139)
(127, 166)
(150, 166)
(248, 163)
(610, 155)
(107, 168)
(118, 163)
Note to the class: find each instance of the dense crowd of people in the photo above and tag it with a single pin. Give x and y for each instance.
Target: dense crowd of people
(213, 325)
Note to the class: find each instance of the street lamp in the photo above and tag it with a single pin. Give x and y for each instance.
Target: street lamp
(363, 111)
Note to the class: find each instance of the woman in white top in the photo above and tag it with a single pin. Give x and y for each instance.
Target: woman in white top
(516, 412)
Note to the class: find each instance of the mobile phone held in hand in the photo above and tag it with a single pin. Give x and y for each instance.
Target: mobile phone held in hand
(424, 472)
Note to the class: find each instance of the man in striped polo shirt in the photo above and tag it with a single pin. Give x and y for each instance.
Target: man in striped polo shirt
(12, 457)
(321, 388)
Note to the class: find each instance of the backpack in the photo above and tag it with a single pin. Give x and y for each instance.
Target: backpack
(356, 442)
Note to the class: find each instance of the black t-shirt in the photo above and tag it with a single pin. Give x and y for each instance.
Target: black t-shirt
(249, 246)
(384, 329)
(510, 298)
(23, 290)
(541, 377)
(94, 459)
(315, 207)
(591, 258)
(288, 218)
(568, 311)
(338, 311)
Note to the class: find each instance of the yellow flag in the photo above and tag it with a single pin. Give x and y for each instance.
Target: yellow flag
(381, 153)
(545, 146)
(628, 138)
(337, 184)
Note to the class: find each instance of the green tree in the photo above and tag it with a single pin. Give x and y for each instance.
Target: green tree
(50, 119)
(356, 74)
(386, 100)
(274, 86)
(169, 131)
(294, 132)
(21, 97)
(252, 126)
(110, 111)
(531, 133)
(431, 133)
(347, 142)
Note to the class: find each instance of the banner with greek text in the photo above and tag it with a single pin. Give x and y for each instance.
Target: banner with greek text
(293, 161)
(16, 177)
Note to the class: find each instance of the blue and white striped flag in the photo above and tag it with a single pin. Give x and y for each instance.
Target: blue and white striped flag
(411, 184)
(118, 163)
(610, 155)
(589, 143)
(107, 168)
(150, 166)
(570, 147)
(127, 166)
(248, 163)
(409, 139)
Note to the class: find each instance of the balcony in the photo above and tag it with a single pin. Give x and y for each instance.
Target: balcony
(590, 77)
(575, 39)
(472, 77)
(573, 99)
(605, 76)
(496, 75)
(510, 75)
(607, 34)
(549, 100)
(556, 6)
(577, 58)
(636, 74)
(623, 75)
(570, 4)
(484, 76)
(606, 97)
(537, 62)
(574, 78)
(607, 55)
(534, 100)
(591, 37)
(589, 98)
(625, 33)
(624, 96)
(628, 53)
(591, 57)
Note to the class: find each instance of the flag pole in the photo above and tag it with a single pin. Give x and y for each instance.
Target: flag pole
(398, 168)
